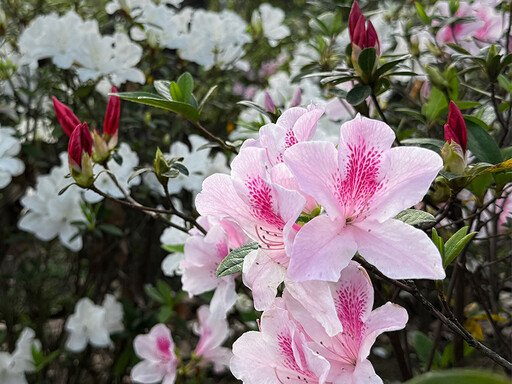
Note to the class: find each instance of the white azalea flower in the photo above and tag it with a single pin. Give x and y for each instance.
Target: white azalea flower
(9, 165)
(113, 314)
(271, 20)
(49, 215)
(13, 366)
(215, 39)
(122, 172)
(91, 323)
(58, 38)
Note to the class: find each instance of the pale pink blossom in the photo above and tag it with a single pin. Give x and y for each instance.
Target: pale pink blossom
(159, 360)
(264, 210)
(347, 351)
(293, 126)
(213, 331)
(203, 254)
(483, 25)
(362, 184)
(278, 353)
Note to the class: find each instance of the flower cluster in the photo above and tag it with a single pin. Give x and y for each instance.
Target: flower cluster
(93, 323)
(69, 40)
(311, 206)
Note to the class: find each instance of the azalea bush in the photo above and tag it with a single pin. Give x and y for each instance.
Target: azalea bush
(313, 192)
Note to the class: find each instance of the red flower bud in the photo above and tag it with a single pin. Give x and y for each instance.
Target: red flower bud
(80, 141)
(361, 35)
(67, 119)
(355, 14)
(455, 129)
(112, 116)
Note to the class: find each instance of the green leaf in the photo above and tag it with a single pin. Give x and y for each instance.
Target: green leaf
(426, 142)
(139, 172)
(171, 173)
(175, 91)
(186, 84)
(180, 168)
(459, 49)
(459, 376)
(411, 112)
(154, 100)
(467, 104)
(366, 60)
(253, 105)
(234, 261)
(506, 165)
(436, 103)
(421, 12)
(162, 87)
(165, 291)
(415, 217)
(153, 293)
(112, 229)
(358, 94)
(455, 244)
(206, 97)
(504, 83)
(423, 345)
(174, 248)
(438, 241)
(389, 66)
(481, 144)
(164, 314)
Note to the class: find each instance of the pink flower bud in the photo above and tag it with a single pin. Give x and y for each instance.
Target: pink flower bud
(67, 119)
(297, 98)
(80, 141)
(455, 128)
(269, 103)
(112, 116)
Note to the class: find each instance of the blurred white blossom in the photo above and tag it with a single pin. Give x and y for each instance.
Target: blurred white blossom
(91, 323)
(69, 40)
(271, 20)
(13, 366)
(47, 214)
(9, 165)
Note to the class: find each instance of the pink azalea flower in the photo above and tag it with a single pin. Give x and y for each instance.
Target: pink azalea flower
(362, 185)
(157, 350)
(203, 254)
(293, 126)
(348, 351)
(486, 26)
(264, 210)
(213, 331)
(279, 353)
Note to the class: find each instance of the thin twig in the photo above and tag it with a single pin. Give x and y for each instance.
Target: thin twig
(453, 324)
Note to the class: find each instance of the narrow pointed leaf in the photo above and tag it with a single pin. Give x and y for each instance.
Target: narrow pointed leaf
(186, 85)
(416, 217)
(234, 261)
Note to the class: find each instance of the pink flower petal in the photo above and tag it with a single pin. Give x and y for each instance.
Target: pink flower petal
(315, 166)
(389, 317)
(320, 251)
(408, 180)
(146, 372)
(399, 250)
